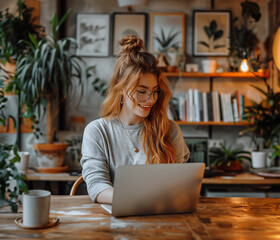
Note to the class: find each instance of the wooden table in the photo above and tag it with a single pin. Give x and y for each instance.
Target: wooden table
(243, 178)
(52, 177)
(215, 218)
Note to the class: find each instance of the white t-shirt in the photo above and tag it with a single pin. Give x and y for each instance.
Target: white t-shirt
(106, 145)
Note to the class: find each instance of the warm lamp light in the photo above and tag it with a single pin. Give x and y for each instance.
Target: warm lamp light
(244, 65)
(276, 49)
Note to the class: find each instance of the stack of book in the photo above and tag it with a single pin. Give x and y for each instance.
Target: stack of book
(196, 106)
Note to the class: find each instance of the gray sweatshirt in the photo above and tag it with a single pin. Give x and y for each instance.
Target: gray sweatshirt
(106, 145)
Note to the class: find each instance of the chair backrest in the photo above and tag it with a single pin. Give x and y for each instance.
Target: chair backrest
(75, 185)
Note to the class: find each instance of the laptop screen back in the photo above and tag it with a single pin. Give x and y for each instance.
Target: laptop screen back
(157, 188)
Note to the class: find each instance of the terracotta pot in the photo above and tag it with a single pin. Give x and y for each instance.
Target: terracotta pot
(50, 155)
(234, 166)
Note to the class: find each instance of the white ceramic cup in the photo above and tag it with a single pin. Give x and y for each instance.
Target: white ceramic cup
(36, 208)
(258, 159)
(24, 161)
(209, 66)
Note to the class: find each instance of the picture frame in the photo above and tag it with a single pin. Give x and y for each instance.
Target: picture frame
(93, 34)
(167, 24)
(211, 32)
(128, 24)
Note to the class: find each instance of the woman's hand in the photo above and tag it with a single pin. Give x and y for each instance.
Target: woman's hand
(105, 196)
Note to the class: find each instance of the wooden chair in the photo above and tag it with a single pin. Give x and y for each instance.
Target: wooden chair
(75, 185)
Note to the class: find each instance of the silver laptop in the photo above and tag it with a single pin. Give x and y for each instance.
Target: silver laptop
(156, 189)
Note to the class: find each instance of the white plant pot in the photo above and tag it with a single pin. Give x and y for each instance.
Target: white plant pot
(258, 159)
(22, 166)
(209, 66)
(269, 159)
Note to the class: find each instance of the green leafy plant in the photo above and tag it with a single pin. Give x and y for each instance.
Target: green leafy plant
(15, 30)
(276, 152)
(265, 118)
(11, 182)
(243, 40)
(226, 158)
(213, 34)
(47, 68)
(99, 86)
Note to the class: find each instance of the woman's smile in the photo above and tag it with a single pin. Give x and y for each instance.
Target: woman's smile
(145, 107)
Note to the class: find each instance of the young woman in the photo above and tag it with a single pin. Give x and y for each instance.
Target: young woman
(134, 128)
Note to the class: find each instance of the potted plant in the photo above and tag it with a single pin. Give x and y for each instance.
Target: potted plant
(227, 159)
(40, 74)
(14, 32)
(264, 117)
(243, 40)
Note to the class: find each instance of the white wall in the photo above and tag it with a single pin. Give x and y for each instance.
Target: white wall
(91, 101)
(104, 66)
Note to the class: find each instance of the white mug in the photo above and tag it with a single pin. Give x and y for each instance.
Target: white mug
(258, 159)
(36, 208)
(209, 66)
(22, 166)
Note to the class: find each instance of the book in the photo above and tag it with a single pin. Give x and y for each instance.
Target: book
(223, 107)
(210, 107)
(205, 107)
(235, 109)
(196, 105)
(190, 107)
(216, 106)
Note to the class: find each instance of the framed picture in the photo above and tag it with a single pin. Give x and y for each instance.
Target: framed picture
(93, 35)
(211, 31)
(128, 24)
(167, 30)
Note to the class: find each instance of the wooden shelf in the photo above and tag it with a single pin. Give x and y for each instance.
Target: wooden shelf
(214, 123)
(219, 75)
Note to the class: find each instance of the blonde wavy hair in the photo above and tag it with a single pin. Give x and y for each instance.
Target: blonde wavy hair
(132, 62)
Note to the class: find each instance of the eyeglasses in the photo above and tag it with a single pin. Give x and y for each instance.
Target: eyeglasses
(144, 95)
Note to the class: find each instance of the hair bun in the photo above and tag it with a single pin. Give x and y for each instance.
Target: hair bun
(131, 44)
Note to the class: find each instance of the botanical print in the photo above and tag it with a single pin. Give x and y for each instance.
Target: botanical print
(128, 24)
(93, 34)
(167, 31)
(167, 40)
(211, 33)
